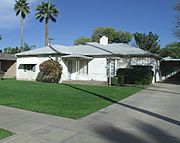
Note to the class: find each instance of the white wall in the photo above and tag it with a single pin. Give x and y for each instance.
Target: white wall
(96, 68)
(122, 63)
(96, 71)
(148, 62)
(29, 75)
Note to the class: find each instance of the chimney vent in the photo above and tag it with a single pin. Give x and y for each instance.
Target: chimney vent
(104, 40)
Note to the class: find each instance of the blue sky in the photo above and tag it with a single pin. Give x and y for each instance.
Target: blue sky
(81, 17)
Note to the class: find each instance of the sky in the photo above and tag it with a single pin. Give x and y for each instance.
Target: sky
(80, 18)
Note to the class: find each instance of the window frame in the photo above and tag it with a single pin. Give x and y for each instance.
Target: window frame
(29, 67)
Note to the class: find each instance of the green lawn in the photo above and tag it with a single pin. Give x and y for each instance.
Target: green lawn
(4, 133)
(72, 101)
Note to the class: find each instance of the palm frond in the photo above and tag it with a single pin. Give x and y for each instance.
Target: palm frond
(21, 7)
(46, 10)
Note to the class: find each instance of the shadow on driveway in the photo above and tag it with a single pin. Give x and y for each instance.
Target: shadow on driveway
(164, 118)
(148, 134)
(162, 91)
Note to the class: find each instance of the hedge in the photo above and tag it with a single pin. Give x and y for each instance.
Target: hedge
(141, 75)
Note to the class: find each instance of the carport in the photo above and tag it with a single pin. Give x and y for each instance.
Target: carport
(170, 68)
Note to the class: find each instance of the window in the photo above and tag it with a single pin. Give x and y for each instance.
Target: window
(83, 66)
(29, 67)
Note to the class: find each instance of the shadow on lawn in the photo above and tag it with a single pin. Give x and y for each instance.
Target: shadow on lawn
(145, 131)
(164, 118)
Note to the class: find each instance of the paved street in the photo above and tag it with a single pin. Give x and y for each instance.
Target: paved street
(150, 116)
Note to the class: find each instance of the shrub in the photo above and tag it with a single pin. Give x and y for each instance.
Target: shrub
(121, 79)
(117, 80)
(141, 75)
(50, 71)
(114, 80)
(1, 75)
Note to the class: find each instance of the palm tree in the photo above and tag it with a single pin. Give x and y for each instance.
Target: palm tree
(22, 7)
(48, 12)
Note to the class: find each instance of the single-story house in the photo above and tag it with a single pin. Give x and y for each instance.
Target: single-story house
(7, 65)
(92, 61)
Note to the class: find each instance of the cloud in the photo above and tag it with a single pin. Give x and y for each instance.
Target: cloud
(8, 18)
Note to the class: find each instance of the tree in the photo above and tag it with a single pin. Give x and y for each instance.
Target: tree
(149, 42)
(171, 50)
(82, 40)
(48, 12)
(104, 31)
(22, 7)
(176, 30)
(122, 37)
(28, 48)
(0, 39)
(11, 50)
(113, 35)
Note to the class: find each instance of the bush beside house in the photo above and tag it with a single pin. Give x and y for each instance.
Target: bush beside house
(139, 75)
(50, 71)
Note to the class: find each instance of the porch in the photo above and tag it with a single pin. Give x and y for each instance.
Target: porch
(82, 68)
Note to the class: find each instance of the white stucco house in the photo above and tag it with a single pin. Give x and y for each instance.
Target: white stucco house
(93, 61)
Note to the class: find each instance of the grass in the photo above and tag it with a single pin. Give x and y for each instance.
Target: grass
(72, 101)
(4, 134)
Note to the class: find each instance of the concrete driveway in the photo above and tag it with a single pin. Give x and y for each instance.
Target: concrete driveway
(151, 116)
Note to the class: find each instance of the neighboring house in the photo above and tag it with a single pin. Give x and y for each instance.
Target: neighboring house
(93, 61)
(8, 65)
